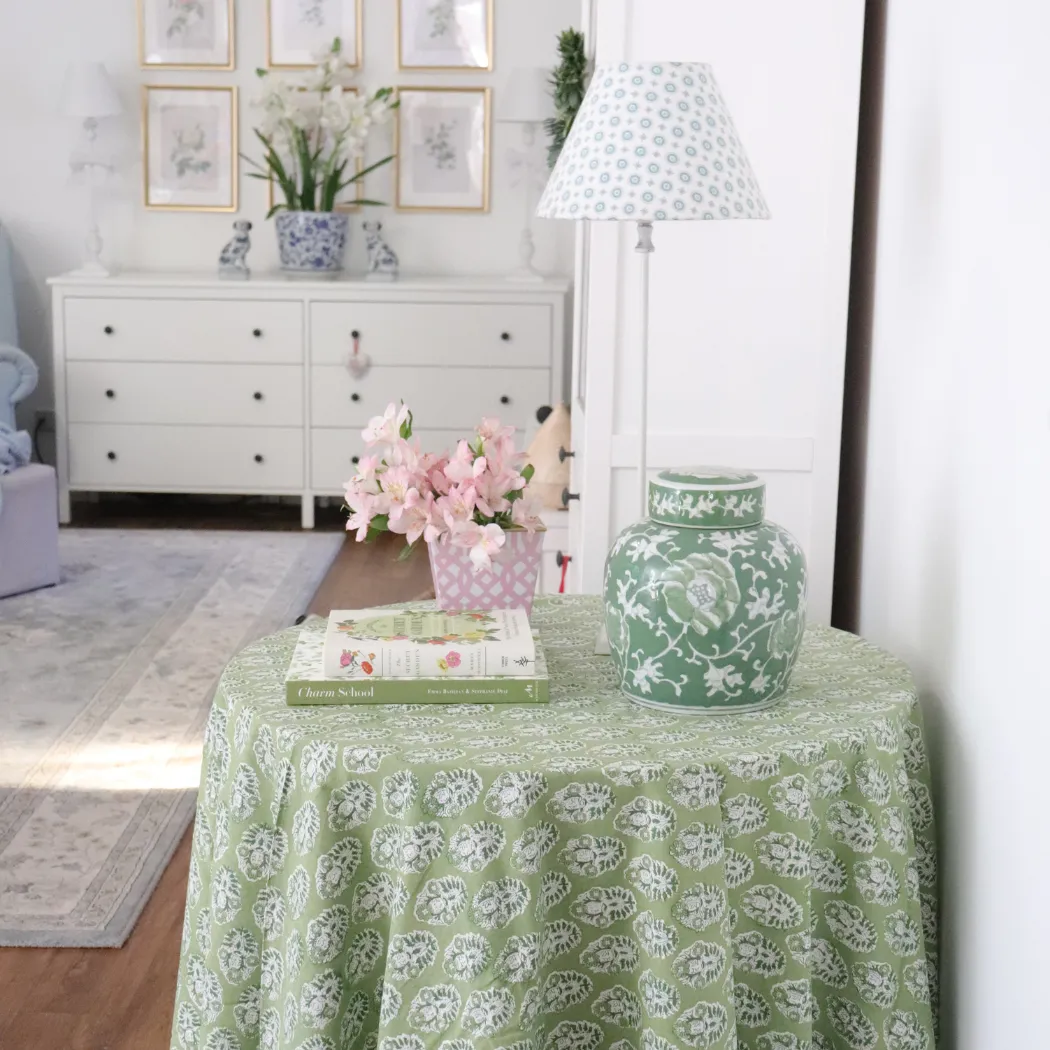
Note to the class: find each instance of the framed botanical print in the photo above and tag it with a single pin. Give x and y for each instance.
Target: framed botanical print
(348, 201)
(186, 34)
(298, 30)
(445, 34)
(442, 146)
(190, 148)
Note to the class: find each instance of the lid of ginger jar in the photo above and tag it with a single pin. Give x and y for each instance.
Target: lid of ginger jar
(707, 498)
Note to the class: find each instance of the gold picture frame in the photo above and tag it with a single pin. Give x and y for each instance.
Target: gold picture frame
(231, 42)
(358, 50)
(439, 67)
(342, 206)
(404, 113)
(194, 199)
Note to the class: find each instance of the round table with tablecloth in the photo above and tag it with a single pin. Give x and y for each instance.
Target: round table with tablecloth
(586, 875)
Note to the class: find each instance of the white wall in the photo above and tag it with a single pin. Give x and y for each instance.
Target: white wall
(955, 574)
(45, 216)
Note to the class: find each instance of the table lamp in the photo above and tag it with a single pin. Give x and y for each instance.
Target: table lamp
(88, 93)
(527, 102)
(652, 142)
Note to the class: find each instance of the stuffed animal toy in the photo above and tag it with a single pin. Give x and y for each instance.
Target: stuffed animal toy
(549, 453)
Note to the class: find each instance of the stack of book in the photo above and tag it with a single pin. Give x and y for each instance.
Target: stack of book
(412, 656)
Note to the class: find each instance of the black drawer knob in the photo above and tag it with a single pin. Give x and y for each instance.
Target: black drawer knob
(355, 334)
(355, 397)
(111, 455)
(111, 394)
(564, 454)
(258, 395)
(567, 497)
(258, 458)
(561, 559)
(355, 460)
(505, 336)
(504, 400)
(542, 413)
(108, 329)
(257, 332)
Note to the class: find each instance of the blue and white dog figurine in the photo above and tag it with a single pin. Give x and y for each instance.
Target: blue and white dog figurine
(382, 262)
(233, 262)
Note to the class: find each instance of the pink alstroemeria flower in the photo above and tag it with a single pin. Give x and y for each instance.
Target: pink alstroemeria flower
(487, 541)
(491, 430)
(366, 479)
(415, 516)
(460, 468)
(398, 482)
(458, 505)
(438, 478)
(364, 508)
(525, 512)
(385, 429)
(493, 490)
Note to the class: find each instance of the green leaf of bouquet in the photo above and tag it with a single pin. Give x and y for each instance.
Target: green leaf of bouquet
(406, 427)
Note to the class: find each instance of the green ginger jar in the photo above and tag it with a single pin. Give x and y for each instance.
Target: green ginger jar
(705, 600)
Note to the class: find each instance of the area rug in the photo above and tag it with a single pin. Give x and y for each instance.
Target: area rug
(105, 684)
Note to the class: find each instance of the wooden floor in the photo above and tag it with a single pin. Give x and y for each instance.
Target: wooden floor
(122, 999)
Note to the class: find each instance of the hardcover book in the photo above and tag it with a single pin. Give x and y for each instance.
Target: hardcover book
(307, 684)
(364, 644)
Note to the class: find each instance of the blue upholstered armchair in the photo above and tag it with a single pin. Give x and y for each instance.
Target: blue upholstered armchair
(18, 371)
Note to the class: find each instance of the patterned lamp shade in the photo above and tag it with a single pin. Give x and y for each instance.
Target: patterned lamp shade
(653, 141)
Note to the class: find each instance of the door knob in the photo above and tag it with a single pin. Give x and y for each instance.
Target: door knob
(567, 497)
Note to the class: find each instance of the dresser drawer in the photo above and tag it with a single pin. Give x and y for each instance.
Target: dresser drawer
(440, 398)
(235, 330)
(234, 395)
(433, 333)
(334, 451)
(181, 459)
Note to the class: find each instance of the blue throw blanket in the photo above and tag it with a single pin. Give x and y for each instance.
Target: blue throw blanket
(16, 449)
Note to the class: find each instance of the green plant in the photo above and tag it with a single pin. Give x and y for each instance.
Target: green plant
(569, 84)
(313, 134)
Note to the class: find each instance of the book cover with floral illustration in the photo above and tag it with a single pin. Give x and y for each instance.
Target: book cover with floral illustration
(364, 644)
(307, 685)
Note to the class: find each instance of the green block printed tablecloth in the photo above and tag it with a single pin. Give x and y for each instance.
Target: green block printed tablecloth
(581, 876)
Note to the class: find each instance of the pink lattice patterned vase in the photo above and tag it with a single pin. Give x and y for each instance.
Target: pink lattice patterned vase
(510, 583)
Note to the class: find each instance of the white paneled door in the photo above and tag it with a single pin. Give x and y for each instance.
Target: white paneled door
(748, 319)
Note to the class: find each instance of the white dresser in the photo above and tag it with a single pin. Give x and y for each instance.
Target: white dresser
(187, 383)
